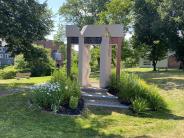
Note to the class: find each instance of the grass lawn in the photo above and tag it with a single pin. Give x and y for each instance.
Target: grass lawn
(17, 119)
(6, 86)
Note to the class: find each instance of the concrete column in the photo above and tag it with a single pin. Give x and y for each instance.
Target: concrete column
(118, 58)
(105, 62)
(69, 56)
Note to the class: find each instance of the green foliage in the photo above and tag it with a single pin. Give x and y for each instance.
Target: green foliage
(20, 63)
(139, 105)
(95, 58)
(47, 95)
(130, 54)
(82, 12)
(60, 91)
(171, 12)
(8, 72)
(149, 29)
(39, 64)
(40, 61)
(117, 12)
(74, 72)
(73, 102)
(130, 87)
(22, 23)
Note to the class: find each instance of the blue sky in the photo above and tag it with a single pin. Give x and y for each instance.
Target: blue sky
(54, 5)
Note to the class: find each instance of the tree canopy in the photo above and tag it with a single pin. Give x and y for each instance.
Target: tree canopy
(117, 12)
(82, 12)
(149, 30)
(22, 22)
(172, 14)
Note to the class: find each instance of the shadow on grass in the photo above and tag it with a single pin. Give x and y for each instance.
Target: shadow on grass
(14, 85)
(14, 109)
(161, 78)
(165, 115)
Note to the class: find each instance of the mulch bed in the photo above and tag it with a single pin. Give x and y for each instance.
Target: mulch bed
(66, 110)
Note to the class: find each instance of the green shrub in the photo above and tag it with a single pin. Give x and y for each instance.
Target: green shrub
(20, 63)
(61, 91)
(139, 105)
(8, 72)
(130, 87)
(39, 61)
(46, 95)
(73, 102)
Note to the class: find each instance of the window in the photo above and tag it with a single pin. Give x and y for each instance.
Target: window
(1, 55)
(1, 49)
(6, 56)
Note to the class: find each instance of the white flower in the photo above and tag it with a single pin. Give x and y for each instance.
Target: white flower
(66, 87)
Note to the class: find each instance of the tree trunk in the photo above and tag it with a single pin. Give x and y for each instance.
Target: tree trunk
(182, 64)
(154, 65)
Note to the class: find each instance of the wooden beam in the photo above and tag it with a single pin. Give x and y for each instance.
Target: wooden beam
(118, 57)
(69, 56)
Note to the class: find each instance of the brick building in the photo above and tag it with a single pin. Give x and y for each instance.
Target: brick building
(56, 55)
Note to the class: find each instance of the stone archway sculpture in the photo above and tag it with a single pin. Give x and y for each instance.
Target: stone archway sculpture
(103, 35)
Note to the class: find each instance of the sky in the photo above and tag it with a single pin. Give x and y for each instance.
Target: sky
(54, 5)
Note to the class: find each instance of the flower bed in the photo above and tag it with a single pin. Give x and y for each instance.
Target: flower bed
(61, 95)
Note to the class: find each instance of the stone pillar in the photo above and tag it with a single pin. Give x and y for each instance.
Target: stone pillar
(84, 60)
(69, 56)
(86, 65)
(118, 58)
(105, 62)
(81, 61)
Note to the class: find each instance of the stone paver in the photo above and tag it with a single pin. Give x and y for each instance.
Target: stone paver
(101, 98)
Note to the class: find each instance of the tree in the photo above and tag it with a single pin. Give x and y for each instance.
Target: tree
(172, 15)
(117, 12)
(149, 30)
(131, 54)
(23, 22)
(39, 61)
(82, 12)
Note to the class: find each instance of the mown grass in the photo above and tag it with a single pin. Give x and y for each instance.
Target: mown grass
(18, 119)
(7, 86)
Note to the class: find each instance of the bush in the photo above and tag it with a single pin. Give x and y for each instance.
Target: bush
(8, 72)
(139, 105)
(130, 87)
(40, 62)
(73, 102)
(47, 95)
(20, 62)
(61, 91)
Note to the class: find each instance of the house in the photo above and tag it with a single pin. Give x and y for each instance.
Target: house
(5, 56)
(169, 62)
(56, 55)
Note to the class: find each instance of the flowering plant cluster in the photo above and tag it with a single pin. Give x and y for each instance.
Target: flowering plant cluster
(47, 88)
(60, 91)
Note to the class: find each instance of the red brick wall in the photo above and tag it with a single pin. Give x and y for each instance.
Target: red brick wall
(48, 44)
(172, 62)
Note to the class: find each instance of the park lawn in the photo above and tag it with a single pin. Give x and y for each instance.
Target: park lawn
(6, 86)
(18, 119)
(24, 81)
